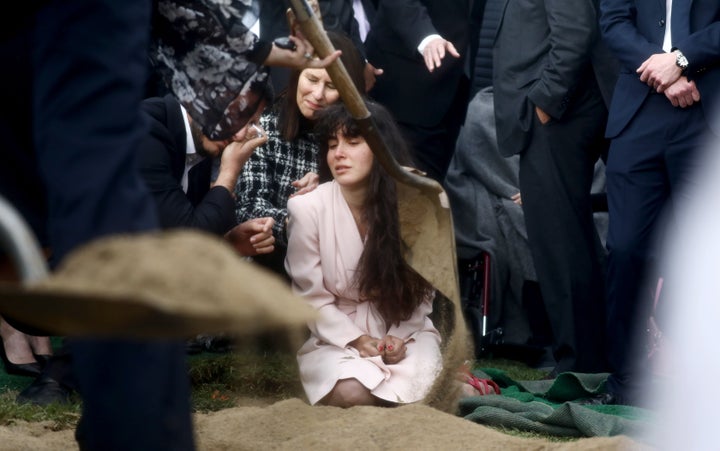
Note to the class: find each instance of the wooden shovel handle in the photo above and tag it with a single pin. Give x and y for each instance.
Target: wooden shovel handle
(314, 32)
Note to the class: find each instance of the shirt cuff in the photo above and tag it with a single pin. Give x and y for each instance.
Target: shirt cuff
(424, 42)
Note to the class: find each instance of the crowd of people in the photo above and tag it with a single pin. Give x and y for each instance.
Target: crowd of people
(272, 161)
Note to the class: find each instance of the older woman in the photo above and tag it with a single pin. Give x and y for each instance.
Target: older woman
(288, 163)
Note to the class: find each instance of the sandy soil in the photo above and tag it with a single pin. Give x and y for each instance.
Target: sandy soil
(294, 425)
(290, 424)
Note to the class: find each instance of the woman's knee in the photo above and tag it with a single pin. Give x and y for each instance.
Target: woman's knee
(348, 393)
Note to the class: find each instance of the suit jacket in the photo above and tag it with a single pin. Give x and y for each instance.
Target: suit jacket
(634, 30)
(547, 53)
(162, 164)
(407, 88)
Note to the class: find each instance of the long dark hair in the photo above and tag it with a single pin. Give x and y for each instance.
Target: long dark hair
(395, 288)
(290, 120)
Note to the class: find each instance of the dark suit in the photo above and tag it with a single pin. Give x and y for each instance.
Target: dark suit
(543, 57)
(429, 107)
(655, 151)
(70, 127)
(162, 163)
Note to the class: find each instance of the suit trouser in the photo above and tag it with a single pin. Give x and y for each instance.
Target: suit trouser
(556, 173)
(651, 160)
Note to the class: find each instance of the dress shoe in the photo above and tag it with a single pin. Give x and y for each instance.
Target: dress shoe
(194, 346)
(218, 344)
(44, 391)
(19, 369)
(601, 399)
(42, 359)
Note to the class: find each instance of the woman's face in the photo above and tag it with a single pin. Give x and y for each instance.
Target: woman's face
(315, 91)
(350, 160)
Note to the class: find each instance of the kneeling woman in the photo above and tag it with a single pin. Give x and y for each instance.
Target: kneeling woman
(373, 342)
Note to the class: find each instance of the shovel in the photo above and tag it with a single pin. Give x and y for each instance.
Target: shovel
(173, 284)
(425, 216)
(426, 222)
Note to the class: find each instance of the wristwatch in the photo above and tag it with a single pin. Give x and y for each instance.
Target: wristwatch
(680, 60)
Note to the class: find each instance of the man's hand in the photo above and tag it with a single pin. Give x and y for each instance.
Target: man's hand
(235, 155)
(371, 73)
(516, 198)
(252, 237)
(542, 115)
(307, 183)
(682, 93)
(659, 71)
(435, 50)
(394, 349)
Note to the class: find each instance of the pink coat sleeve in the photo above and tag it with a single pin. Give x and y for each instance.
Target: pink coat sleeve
(303, 264)
(418, 322)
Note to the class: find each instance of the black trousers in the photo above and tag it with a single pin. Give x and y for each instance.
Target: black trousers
(556, 172)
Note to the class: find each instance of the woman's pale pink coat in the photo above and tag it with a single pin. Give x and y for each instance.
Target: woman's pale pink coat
(323, 251)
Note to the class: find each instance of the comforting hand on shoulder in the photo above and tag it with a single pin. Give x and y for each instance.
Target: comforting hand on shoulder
(307, 183)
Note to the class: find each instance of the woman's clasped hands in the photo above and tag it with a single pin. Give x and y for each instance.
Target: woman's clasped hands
(391, 348)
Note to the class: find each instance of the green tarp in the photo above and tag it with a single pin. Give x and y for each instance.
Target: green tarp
(548, 407)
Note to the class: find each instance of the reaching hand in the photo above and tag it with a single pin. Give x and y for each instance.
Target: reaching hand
(253, 237)
(435, 50)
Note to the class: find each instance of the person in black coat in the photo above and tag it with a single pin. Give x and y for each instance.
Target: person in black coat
(550, 78)
(178, 170)
(72, 128)
(421, 47)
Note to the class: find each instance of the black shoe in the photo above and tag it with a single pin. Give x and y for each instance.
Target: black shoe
(218, 344)
(19, 369)
(44, 391)
(42, 359)
(194, 346)
(601, 399)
